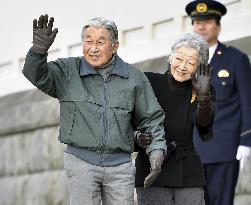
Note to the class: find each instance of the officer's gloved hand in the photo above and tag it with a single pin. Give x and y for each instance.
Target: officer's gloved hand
(156, 160)
(43, 36)
(143, 139)
(243, 153)
(201, 82)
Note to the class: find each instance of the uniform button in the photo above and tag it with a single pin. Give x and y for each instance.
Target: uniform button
(223, 83)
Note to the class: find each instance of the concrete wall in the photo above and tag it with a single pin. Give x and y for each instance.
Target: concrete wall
(31, 157)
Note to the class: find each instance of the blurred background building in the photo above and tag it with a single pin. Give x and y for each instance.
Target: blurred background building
(147, 29)
(31, 159)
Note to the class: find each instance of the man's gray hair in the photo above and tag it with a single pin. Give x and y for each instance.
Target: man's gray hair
(105, 23)
(193, 40)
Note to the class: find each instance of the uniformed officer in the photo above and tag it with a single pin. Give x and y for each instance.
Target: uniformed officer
(232, 123)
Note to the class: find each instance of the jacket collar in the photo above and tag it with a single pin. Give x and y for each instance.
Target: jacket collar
(173, 84)
(120, 68)
(218, 56)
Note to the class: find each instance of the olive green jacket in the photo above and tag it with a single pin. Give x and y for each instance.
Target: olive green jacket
(98, 115)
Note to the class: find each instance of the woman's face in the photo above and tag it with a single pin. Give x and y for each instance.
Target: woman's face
(184, 63)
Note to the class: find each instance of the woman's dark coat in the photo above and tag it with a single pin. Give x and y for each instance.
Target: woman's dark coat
(182, 166)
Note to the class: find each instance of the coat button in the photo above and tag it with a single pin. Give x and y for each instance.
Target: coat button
(219, 52)
(223, 83)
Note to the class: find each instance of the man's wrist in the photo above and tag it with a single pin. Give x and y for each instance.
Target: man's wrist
(157, 152)
(36, 55)
(38, 51)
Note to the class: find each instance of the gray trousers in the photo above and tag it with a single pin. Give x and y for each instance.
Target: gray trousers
(90, 184)
(170, 196)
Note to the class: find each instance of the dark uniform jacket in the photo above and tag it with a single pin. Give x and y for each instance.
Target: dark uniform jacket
(231, 79)
(182, 166)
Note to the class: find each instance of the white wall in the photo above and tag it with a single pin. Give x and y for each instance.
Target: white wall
(146, 29)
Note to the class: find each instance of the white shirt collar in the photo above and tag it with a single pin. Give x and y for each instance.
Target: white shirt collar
(211, 52)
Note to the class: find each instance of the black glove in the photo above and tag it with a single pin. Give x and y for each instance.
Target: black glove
(143, 139)
(201, 82)
(156, 159)
(43, 36)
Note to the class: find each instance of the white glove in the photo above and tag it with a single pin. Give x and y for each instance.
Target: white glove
(243, 153)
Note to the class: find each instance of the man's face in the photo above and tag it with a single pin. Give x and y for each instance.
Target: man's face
(184, 63)
(208, 29)
(97, 46)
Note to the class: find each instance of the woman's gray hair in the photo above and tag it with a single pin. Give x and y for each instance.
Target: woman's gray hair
(105, 23)
(193, 40)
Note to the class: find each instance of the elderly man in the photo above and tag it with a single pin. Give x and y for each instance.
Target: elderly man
(101, 98)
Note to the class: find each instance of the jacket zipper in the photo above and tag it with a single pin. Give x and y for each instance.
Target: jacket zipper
(104, 136)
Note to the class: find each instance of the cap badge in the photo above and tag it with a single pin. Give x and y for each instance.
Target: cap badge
(201, 8)
(223, 73)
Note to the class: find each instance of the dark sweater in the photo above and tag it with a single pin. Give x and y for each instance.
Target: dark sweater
(182, 166)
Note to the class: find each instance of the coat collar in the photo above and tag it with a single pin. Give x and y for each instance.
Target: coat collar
(120, 68)
(174, 85)
(216, 60)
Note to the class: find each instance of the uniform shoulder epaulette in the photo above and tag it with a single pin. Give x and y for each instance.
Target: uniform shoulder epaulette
(233, 49)
(227, 45)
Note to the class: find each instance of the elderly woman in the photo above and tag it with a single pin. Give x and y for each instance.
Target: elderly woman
(184, 94)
